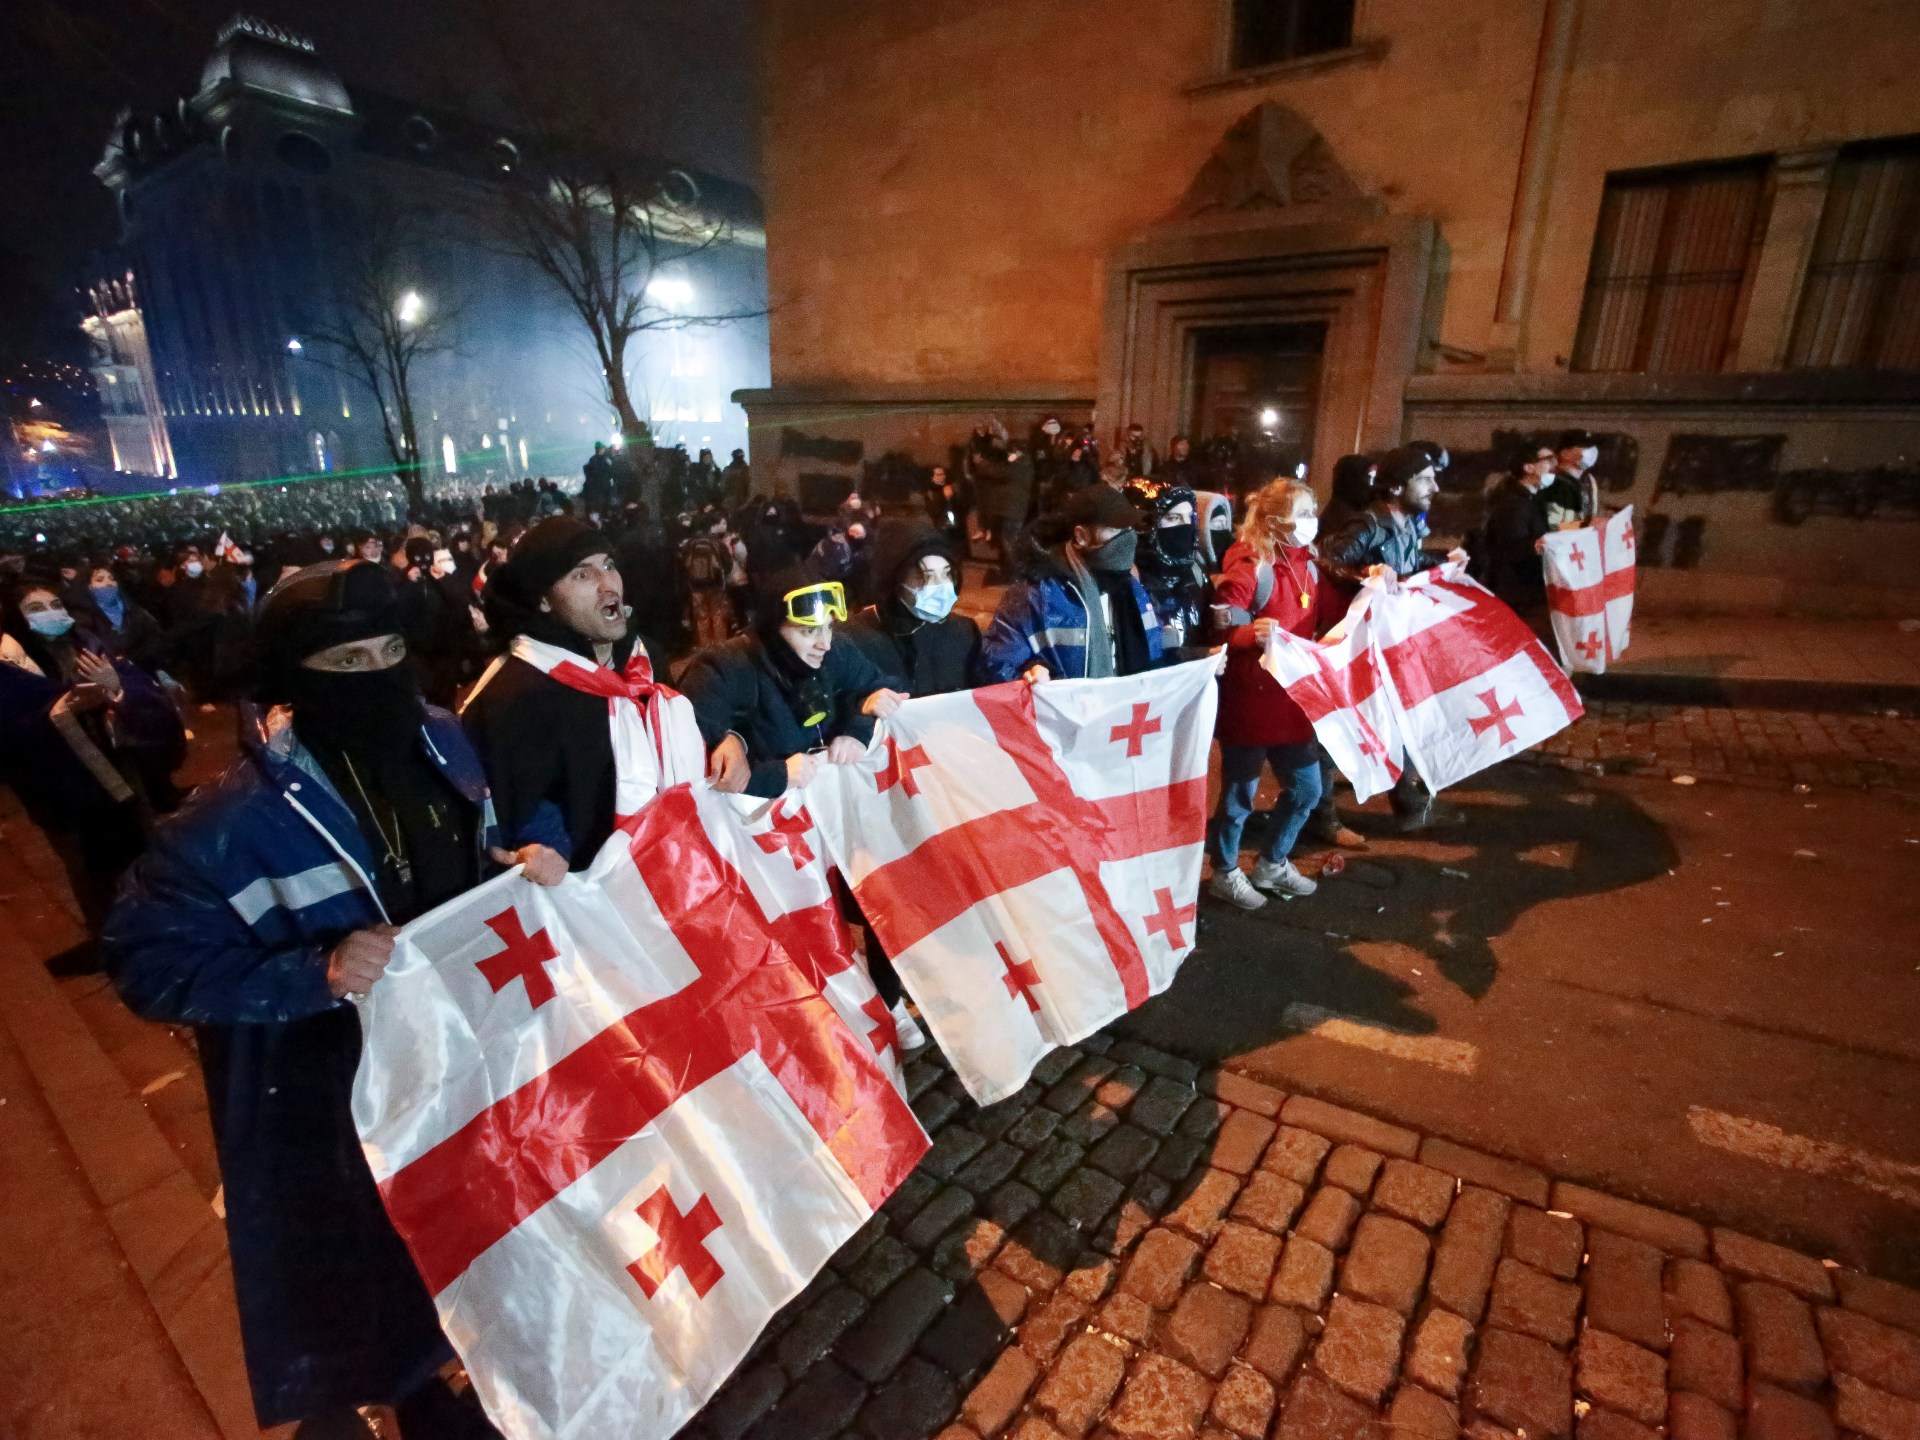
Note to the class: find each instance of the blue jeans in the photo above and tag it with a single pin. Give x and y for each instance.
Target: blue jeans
(1296, 767)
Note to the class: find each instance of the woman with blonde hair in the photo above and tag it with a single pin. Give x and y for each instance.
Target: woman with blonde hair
(1269, 580)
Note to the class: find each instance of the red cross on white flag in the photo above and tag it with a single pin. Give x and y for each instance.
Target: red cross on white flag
(1040, 878)
(611, 1185)
(1336, 680)
(1589, 602)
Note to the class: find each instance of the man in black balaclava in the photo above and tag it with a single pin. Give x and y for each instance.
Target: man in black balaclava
(256, 914)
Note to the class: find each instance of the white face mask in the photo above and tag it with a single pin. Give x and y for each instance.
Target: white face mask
(193, 568)
(1305, 528)
(1589, 457)
(933, 602)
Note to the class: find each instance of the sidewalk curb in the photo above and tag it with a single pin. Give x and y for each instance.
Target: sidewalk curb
(1727, 692)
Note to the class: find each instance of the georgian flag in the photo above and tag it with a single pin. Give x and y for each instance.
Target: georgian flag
(1590, 591)
(1029, 856)
(618, 1124)
(1469, 683)
(1336, 680)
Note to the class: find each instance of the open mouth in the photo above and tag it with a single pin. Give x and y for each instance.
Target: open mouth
(612, 610)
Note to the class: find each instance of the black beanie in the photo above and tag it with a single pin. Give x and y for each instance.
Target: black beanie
(544, 555)
(319, 607)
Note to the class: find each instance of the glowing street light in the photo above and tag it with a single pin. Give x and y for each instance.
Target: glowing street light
(410, 308)
(1269, 418)
(670, 292)
(294, 345)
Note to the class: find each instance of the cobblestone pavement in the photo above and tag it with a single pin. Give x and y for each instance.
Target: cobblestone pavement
(1134, 1249)
(1751, 747)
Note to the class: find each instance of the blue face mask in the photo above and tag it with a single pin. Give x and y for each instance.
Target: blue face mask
(50, 623)
(934, 602)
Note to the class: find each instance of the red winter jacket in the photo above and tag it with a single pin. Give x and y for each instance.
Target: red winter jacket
(1254, 708)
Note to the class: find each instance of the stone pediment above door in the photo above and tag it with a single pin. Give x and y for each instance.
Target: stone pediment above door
(1271, 167)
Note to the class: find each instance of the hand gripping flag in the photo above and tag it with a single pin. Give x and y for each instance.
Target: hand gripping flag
(1469, 683)
(1029, 856)
(618, 1125)
(1590, 591)
(1336, 680)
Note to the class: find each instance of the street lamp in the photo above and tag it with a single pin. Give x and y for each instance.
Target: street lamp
(294, 346)
(1269, 418)
(410, 308)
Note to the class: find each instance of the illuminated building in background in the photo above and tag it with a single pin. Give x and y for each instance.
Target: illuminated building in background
(236, 205)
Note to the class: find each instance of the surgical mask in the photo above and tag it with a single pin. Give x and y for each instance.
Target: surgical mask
(443, 562)
(1116, 554)
(1589, 457)
(50, 624)
(933, 602)
(193, 569)
(1305, 528)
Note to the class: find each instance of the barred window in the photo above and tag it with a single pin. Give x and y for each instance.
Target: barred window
(1860, 305)
(1673, 262)
(1265, 32)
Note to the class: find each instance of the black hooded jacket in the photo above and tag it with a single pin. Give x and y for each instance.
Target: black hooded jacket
(932, 657)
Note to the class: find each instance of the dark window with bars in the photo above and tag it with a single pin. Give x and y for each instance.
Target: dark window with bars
(1860, 306)
(1265, 32)
(1673, 262)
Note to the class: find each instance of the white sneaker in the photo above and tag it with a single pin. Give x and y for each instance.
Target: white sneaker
(1282, 879)
(1232, 887)
(906, 1028)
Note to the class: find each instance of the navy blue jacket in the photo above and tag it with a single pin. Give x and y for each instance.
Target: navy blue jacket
(1044, 620)
(225, 924)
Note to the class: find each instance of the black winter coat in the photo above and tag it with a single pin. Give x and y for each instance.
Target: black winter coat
(1507, 563)
(932, 657)
(737, 687)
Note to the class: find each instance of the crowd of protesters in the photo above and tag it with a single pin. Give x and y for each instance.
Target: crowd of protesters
(257, 909)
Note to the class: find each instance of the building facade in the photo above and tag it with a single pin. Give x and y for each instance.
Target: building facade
(239, 209)
(1695, 230)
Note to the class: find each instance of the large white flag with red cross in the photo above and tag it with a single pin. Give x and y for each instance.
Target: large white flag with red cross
(1029, 856)
(1469, 683)
(1337, 681)
(617, 1122)
(1590, 591)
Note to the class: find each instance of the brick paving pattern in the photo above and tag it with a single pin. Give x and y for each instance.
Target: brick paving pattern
(1132, 1249)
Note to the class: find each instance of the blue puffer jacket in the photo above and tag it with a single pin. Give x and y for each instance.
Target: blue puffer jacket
(1043, 618)
(225, 924)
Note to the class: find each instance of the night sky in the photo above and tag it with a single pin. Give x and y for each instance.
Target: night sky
(679, 73)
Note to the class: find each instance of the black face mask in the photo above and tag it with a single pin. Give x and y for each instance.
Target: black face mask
(375, 713)
(1177, 543)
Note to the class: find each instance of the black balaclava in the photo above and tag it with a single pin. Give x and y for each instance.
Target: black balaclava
(375, 713)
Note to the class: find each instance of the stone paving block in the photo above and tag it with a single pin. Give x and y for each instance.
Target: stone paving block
(1387, 1264)
(1661, 1229)
(1247, 1093)
(921, 1076)
(1609, 1425)
(975, 1327)
(1752, 1259)
(819, 1326)
(1039, 1251)
(1055, 1064)
(1202, 1209)
(863, 1240)
(1279, 1335)
(1706, 1361)
(1269, 1202)
(1552, 1243)
(934, 1109)
(1164, 1400)
(1340, 1124)
(1127, 1316)
(1534, 1303)
(1886, 1358)
(990, 1167)
(1000, 1393)
(1078, 1084)
(1242, 1260)
(1160, 1267)
(1034, 1428)
(911, 1193)
(1011, 1203)
(1305, 1276)
(1414, 1192)
(1049, 1326)
(1051, 1163)
(1696, 1289)
(1203, 1120)
(1315, 1409)
(1295, 1154)
(1146, 1198)
(1090, 1124)
(883, 1264)
(993, 1121)
(1086, 1197)
(1329, 1216)
(750, 1394)
(1776, 1331)
(1206, 1328)
(937, 1216)
(1160, 1104)
(874, 1348)
(1880, 1300)
(1694, 1417)
(1034, 1128)
(1469, 1249)
(1243, 1403)
(1090, 1278)
(917, 1401)
(1523, 1384)
(1776, 1414)
(1421, 1415)
(1082, 1384)
(967, 1249)
(1624, 1292)
(1178, 1155)
(1352, 1167)
(1124, 1153)
(821, 1405)
(1874, 1413)
(1155, 1062)
(952, 1148)
(1437, 1356)
(1242, 1140)
(1489, 1172)
(1621, 1376)
(1098, 1044)
(1118, 1090)
(1360, 1348)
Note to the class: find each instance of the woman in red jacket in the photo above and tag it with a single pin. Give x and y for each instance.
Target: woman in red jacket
(1269, 579)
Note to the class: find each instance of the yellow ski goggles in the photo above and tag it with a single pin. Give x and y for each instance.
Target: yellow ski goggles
(812, 606)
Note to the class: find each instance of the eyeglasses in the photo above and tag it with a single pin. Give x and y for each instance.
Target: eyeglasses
(812, 606)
